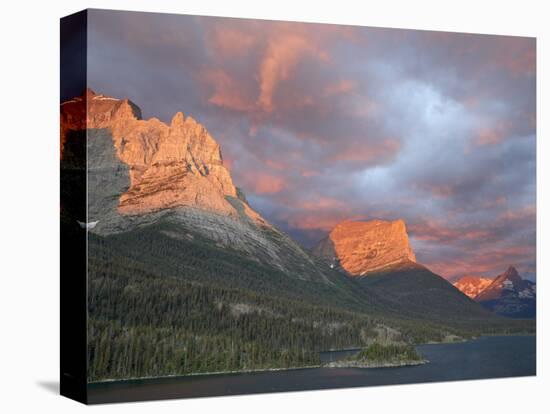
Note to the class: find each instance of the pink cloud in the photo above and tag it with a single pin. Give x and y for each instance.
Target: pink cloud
(314, 223)
(265, 183)
(494, 134)
(272, 52)
(323, 221)
(440, 191)
(231, 42)
(228, 162)
(526, 213)
(383, 149)
(497, 202)
(276, 165)
(310, 173)
(226, 93)
(488, 262)
(339, 88)
(471, 102)
(281, 56)
(484, 247)
(323, 203)
(430, 230)
(517, 57)
(441, 232)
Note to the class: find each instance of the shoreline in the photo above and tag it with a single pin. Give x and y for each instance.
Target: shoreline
(260, 370)
(475, 338)
(196, 374)
(379, 364)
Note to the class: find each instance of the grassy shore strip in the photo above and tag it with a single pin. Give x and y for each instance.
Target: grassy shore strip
(194, 374)
(373, 364)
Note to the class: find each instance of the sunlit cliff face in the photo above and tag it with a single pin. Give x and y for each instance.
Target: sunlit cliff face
(472, 286)
(169, 165)
(362, 247)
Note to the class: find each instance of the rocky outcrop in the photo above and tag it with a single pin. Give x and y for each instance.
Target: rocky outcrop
(472, 286)
(167, 166)
(362, 247)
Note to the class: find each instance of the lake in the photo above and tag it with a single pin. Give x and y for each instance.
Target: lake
(485, 357)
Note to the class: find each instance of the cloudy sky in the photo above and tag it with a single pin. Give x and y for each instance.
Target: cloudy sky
(321, 123)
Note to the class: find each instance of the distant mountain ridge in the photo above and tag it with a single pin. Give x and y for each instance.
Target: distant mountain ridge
(510, 295)
(471, 286)
(509, 281)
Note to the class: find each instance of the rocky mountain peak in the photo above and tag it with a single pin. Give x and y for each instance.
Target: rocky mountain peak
(511, 275)
(509, 282)
(92, 110)
(362, 247)
(510, 295)
(89, 93)
(178, 121)
(472, 286)
(511, 272)
(168, 166)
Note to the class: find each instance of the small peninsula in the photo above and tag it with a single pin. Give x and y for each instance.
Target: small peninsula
(380, 356)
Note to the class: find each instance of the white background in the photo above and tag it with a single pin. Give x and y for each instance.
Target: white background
(29, 211)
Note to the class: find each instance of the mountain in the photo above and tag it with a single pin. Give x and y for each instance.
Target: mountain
(160, 166)
(145, 173)
(179, 266)
(362, 247)
(182, 269)
(471, 286)
(377, 254)
(510, 295)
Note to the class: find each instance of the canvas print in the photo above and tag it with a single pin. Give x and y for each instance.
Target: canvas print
(264, 206)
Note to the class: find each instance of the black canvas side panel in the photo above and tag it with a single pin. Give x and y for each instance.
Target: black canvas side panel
(73, 209)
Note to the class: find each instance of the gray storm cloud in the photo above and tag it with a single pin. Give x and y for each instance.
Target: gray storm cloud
(319, 123)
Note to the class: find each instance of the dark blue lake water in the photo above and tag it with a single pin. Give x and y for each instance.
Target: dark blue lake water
(486, 357)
